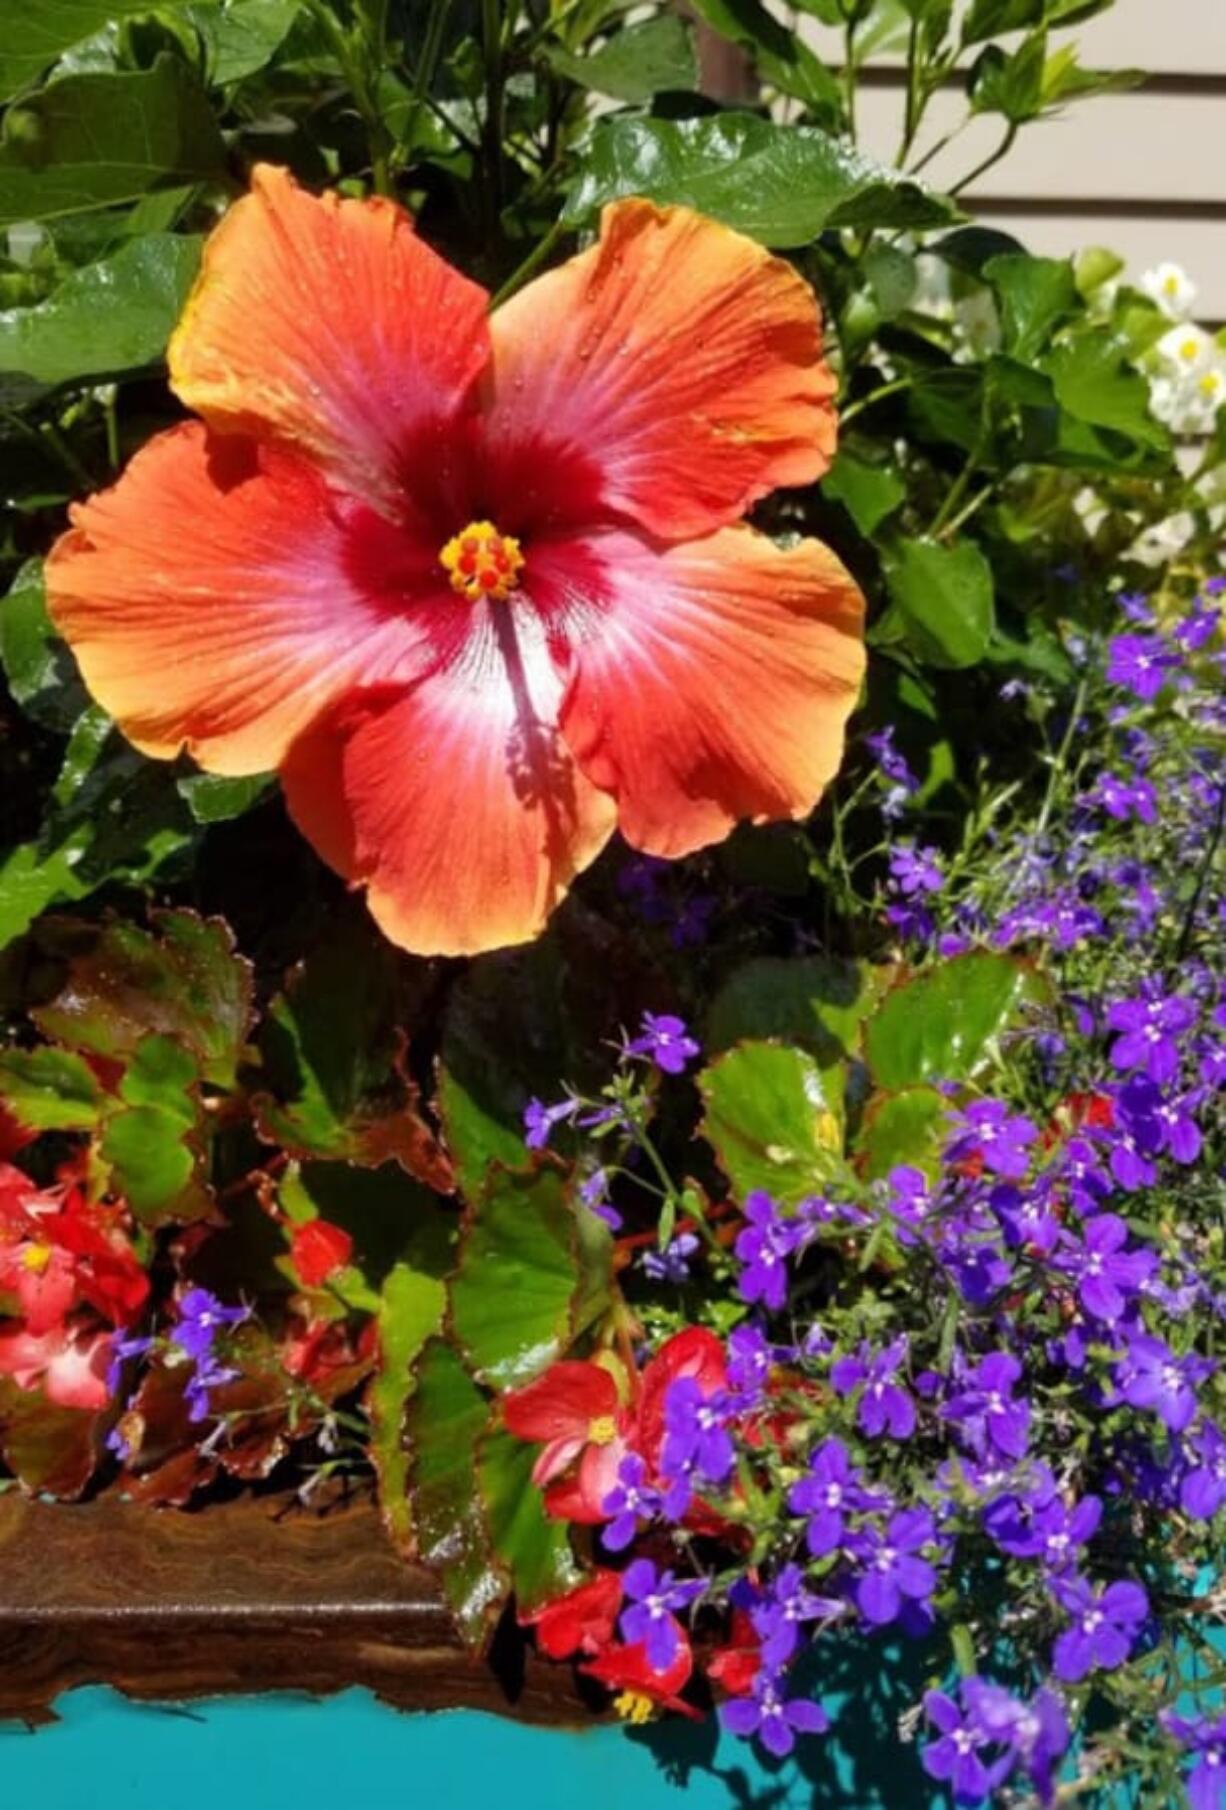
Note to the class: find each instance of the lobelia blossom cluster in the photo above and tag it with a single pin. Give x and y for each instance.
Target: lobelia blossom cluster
(977, 1401)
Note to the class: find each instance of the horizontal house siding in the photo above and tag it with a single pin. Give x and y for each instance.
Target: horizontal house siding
(1143, 173)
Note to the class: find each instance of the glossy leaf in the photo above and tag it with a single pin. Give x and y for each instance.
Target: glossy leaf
(32, 37)
(903, 1127)
(518, 1280)
(774, 1119)
(182, 980)
(635, 62)
(1036, 295)
(242, 38)
(445, 1418)
(410, 1311)
(154, 1142)
(943, 603)
(50, 1090)
(941, 1025)
(781, 57)
(51, 1451)
(41, 674)
(90, 141)
(534, 1547)
(213, 799)
(110, 318)
(869, 493)
(781, 184)
(1096, 384)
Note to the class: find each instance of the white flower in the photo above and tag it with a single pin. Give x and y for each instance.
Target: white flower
(1090, 510)
(1187, 348)
(1172, 289)
(1165, 541)
(933, 291)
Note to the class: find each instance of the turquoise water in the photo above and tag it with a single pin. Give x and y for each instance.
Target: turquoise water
(351, 1752)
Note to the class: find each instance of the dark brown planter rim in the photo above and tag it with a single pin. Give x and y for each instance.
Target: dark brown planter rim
(256, 1594)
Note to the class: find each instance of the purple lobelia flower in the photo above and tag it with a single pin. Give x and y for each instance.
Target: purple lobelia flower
(885, 1405)
(207, 1376)
(1000, 1139)
(750, 1357)
(1049, 1531)
(1149, 1375)
(893, 765)
(1037, 1733)
(1140, 663)
(1124, 798)
(594, 1193)
(539, 1120)
(966, 1755)
(696, 1431)
(890, 1568)
(915, 873)
(1202, 1489)
(1205, 1740)
(1104, 1626)
(201, 1317)
(831, 1490)
(672, 1264)
(779, 1617)
(775, 1719)
(1106, 1276)
(664, 1040)
(1026, 1217)
(763, 1249)
(656, 1598)
(1148, 1033)
(909, 1199)
(1181, 1135)
(985, 1410)
(631, 1500)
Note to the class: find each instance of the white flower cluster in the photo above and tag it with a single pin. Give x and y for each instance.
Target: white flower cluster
(1187, 367)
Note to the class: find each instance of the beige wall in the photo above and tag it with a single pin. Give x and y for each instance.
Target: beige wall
(1143, 173)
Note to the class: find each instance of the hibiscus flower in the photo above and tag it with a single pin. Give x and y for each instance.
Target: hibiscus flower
(477, 585)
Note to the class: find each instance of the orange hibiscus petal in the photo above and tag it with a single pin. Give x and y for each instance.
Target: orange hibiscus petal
(455, 803)
(716, 684)
(326, 323)
(213, 600)
(680, 358)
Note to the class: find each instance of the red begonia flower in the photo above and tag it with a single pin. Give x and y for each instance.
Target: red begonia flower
(476, 585)
(58, 1250)
(573, 1405)
(628, 1671)
(582, 1621)
(68, 1366)
(318, 1249)
(737, 1663)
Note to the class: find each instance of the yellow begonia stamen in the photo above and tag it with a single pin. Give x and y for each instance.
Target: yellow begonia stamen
(602, 1430)
(36, 1257)
(634, 1706)
(482, 562)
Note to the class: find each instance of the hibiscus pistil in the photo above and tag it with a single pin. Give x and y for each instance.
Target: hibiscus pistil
(482, 562)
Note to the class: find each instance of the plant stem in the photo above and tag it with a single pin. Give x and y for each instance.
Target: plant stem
(532, 263)
(1002, 150)
(912, 116)
(849, 74)
(866, 402)
(959, 487)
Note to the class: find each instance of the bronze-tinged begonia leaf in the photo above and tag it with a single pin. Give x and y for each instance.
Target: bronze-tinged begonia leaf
(335, 1045)
(533, 1271)
(534, 1547)
(183, 980)
(774, 1117)
(942, 1025)
(445, 1419)
(410, 1311)
(155, 1138)
(51, 1451)
(50, 1090)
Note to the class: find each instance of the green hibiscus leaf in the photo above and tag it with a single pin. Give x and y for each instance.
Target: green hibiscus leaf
(99, 139)
(943, 604)
(42, 676)
(636, 62)
(108, 319)
(870, 493)
(781, 184)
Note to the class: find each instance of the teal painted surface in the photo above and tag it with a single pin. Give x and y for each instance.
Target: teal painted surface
(351, 1752)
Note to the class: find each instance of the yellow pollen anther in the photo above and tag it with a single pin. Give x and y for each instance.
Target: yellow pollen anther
(602, 1430)
(482, 562)
(634, 1706)
(36, 1257)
